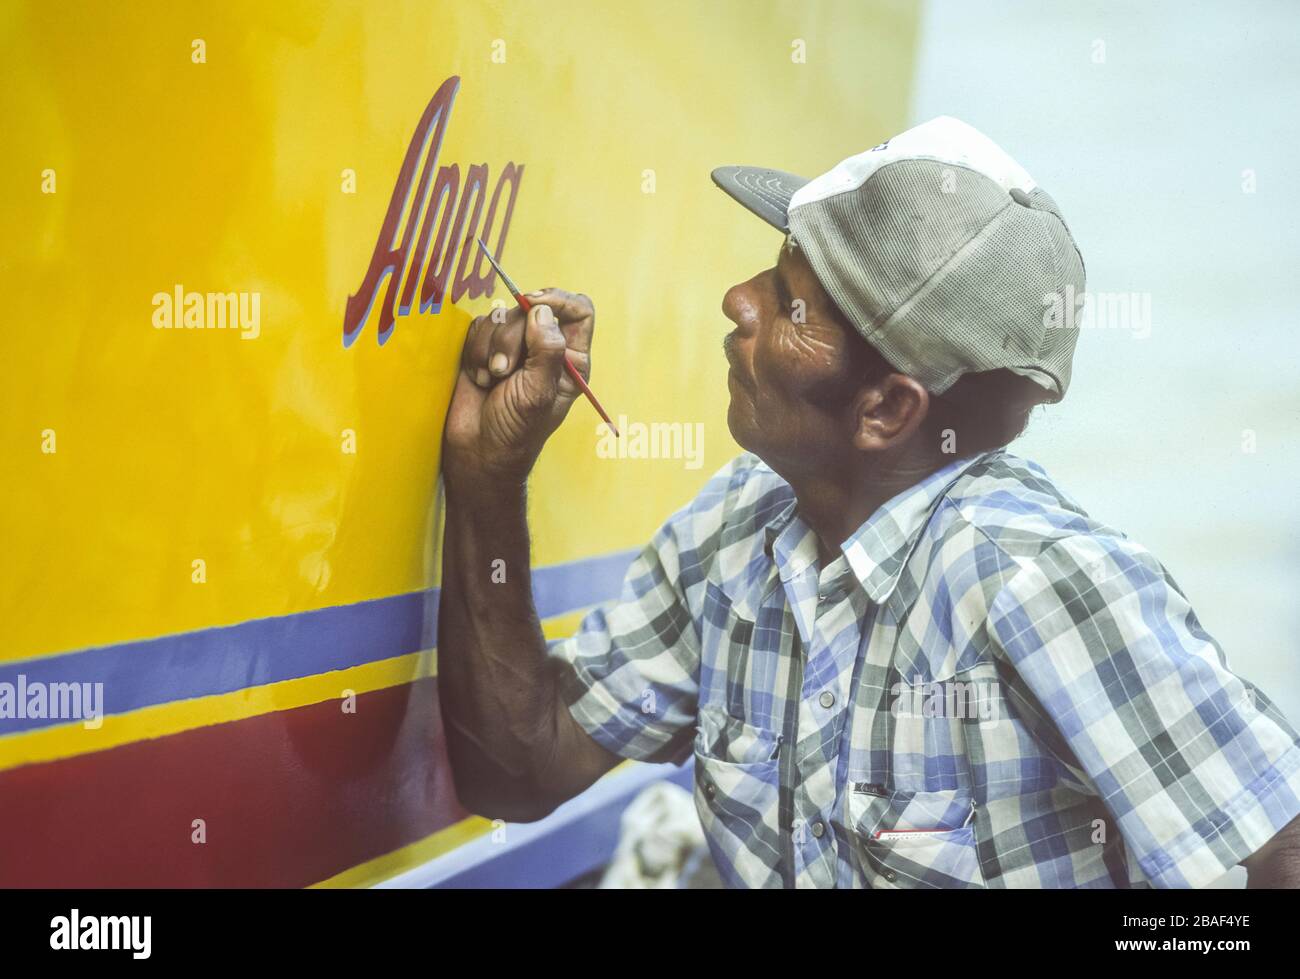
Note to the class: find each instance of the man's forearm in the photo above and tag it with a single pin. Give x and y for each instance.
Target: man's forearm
(496, 692)
(1277, 863)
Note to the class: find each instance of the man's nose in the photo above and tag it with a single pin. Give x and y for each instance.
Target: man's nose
(739, 306)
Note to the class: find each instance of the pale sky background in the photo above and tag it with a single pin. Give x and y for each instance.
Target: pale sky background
(1145, 153)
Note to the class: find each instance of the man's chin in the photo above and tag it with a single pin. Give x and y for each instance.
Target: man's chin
(740, 432)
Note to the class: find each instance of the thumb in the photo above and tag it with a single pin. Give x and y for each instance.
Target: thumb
(544, 345)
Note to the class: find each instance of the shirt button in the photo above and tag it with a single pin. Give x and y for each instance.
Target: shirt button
(827, 699)
(890, 875)
(709, 790)
(819, 829)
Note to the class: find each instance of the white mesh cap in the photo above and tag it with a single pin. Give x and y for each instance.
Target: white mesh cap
(939, 248)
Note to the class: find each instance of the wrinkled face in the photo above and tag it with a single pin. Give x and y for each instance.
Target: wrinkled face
(789, 363)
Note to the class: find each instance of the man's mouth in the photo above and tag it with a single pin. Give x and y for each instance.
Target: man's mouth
(729, 350)
(733, 360)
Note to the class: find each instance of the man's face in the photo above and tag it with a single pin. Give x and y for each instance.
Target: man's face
(788, 357)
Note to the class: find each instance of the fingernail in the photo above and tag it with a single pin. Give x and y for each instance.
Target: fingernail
(545, 315)
(482, 378)
(499, 363)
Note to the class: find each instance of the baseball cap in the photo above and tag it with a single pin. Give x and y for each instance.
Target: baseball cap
(939, 248)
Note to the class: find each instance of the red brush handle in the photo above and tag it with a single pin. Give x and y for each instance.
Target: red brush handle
(574, 373)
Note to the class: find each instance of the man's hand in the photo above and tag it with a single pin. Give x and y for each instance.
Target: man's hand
(513, 390)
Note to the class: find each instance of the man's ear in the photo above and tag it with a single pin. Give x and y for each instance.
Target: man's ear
(888, 412)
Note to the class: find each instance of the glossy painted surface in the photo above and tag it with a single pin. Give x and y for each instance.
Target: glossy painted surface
(175, 445)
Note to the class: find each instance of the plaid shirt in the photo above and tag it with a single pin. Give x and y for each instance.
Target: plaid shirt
(986, 688)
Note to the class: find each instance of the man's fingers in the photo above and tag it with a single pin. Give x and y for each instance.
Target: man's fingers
(471, 354)
(544, 342)
(494, 345)
(506, 347)
(498, 344)
(575, 312)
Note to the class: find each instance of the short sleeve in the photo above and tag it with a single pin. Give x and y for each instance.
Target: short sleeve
(631, 673)
(1197, 767)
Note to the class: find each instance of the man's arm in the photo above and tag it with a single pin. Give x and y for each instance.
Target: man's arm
(1277, 862)
(516, 751)
(1199, 769)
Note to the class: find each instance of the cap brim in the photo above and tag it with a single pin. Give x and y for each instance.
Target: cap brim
(765, 192)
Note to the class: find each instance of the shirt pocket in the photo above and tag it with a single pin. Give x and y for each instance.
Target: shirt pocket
(914, 840)
(737, 788)
(931, 724)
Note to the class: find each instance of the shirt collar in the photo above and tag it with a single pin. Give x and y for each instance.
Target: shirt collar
(878, 550)
(777, 526)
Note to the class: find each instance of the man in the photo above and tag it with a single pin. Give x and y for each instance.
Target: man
(898, 654)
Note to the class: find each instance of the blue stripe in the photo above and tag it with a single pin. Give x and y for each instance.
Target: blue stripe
(219, 660)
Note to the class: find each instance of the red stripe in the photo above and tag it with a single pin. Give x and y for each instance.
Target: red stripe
(288, 798)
